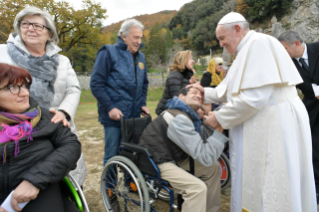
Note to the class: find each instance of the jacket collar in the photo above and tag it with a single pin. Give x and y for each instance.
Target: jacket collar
(51, 48)
(123, 46)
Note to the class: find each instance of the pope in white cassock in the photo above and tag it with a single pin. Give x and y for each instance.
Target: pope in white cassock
(270, 140)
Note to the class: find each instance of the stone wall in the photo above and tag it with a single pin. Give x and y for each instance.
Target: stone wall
(303, 18)
(85, 82)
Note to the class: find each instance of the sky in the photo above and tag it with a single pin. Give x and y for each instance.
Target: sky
(118, 10)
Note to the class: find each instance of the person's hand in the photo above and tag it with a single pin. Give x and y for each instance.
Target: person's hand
(317, 97)
(200, 113)
(212, 121)
(197, 86)
(3, 210)
(115, 114)
(25, 192)
(59, 116)
(192, 80)
(145, 111)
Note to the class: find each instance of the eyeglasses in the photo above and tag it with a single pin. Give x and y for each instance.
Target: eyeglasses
(15, 89)
(220, 64)
(36, 26)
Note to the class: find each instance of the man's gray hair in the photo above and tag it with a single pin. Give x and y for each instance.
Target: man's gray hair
(127, 24)
(49, 22)
(290, 37)
(243, 24)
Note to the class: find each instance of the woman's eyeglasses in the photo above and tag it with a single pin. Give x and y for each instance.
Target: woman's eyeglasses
(15, 89)
(220, 64)
(36, 26)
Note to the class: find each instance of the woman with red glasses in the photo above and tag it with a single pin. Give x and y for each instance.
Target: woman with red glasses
(35, 153)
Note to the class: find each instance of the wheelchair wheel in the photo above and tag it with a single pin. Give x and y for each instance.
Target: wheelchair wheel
(126, 183)
(224, 168)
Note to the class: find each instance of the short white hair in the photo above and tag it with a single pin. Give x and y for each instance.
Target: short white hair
(49, 22)
(243, 24)
(127, 24)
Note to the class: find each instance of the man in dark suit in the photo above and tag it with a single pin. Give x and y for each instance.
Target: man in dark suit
(306, 59)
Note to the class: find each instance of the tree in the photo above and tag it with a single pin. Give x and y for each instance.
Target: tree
(156, 44)
(73, 26)
(261, 9)
(168, 40)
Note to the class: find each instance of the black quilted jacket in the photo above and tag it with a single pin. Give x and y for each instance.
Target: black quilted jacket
(53, 152)
(174, 83)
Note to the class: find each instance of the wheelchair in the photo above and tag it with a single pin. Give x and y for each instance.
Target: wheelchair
(72, 190)
(132, 178)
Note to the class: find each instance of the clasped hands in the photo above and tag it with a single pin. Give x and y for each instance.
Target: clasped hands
(211, 119)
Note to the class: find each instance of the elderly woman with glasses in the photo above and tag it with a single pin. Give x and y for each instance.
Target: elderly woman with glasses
(33, 46)
(35, 152)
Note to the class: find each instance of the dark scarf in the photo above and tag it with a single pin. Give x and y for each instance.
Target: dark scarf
(177, 103)
(43, 71)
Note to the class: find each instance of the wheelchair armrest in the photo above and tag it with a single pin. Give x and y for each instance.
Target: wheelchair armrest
(137, 148)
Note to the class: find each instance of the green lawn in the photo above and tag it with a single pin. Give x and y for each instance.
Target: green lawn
(88, 102)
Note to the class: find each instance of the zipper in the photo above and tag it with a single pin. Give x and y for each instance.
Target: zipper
(5, 174)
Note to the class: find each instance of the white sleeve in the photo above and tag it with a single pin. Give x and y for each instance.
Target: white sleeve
(210, 96)
(243, 106)
(73, 92)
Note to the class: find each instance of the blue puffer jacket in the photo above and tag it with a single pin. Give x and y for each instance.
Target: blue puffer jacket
(115, 84)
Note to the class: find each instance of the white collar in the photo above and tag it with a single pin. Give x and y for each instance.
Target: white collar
(244, 40)
(304, 55)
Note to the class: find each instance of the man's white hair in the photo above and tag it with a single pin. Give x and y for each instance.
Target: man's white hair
(243, 24)
(127, 24)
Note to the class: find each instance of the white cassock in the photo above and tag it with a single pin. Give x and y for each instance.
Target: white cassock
(270, 138)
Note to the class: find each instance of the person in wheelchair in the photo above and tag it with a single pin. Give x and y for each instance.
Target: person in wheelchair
(174, 138)
(35, 152)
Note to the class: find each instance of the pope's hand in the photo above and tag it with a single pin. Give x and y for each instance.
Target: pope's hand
(197, 86)
(115, 114)
(212, 121)
(317, 97)
(25, 192)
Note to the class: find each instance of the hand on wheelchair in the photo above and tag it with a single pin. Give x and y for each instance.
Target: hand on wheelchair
(25, 192)
(145, 111)
(115, 114)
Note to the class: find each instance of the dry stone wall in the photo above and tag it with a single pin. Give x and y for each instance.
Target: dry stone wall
(303, 18)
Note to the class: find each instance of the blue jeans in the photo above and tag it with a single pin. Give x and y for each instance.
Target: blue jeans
(112, 137)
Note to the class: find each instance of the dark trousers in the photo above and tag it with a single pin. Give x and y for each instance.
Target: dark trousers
(315, 151)
(50, 200)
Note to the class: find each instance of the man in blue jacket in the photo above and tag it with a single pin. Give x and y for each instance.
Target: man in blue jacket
(119, 83)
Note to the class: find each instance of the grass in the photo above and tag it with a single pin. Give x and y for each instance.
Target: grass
(87, 108)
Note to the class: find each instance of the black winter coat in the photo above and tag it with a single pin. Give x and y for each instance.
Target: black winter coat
(174, 83)
(53, 152)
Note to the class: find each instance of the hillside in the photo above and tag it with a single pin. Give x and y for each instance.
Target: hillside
(148, 20)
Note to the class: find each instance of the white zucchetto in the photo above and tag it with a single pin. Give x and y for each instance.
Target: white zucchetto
(231, 17)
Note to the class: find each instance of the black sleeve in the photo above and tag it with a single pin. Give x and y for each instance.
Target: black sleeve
(59, 162)
(206, 79)
(174, 83)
